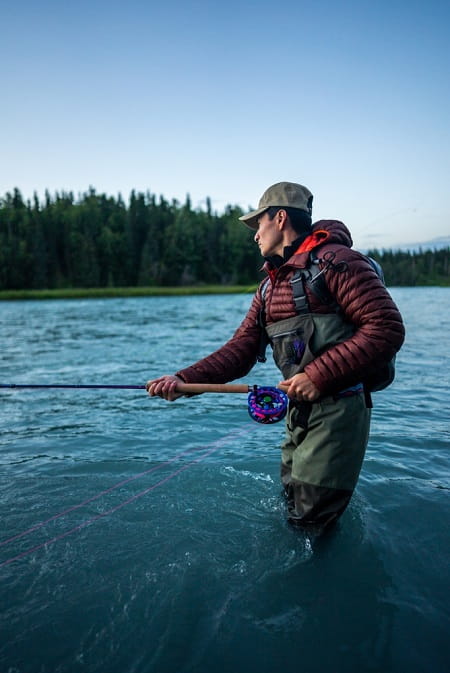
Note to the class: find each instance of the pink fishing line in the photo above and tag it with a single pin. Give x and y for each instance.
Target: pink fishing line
(95, 497)
(215, 446)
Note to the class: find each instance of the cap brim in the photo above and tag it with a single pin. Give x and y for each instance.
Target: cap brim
(251, 219)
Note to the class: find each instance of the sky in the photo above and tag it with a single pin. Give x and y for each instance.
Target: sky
(221, 100)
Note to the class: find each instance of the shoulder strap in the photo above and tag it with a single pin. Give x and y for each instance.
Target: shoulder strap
(317, 282)
(313, 279)
(263, 339)
(299, 292)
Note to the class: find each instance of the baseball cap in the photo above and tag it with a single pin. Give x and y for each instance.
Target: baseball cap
(282, 194)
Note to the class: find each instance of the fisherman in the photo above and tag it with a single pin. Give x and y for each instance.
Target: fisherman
(333, 334)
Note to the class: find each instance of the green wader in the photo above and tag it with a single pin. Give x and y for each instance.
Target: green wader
(326, 440)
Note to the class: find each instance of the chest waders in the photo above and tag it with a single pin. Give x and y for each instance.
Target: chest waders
(325, 440)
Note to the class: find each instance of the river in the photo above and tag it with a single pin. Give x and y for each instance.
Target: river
(140, 536)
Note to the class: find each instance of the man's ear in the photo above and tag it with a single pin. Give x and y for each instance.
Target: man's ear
(282, 218)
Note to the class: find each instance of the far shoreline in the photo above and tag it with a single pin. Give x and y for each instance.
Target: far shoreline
(123, 292)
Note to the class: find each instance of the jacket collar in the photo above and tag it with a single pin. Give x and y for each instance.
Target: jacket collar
(313, 241)
(275, 261)
(296, 254)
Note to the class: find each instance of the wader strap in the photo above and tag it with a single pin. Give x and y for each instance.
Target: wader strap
(299, 294)
(263, 338)
(313, 278)
(368, 398)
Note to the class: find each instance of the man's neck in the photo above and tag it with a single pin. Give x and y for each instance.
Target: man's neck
(288, 250)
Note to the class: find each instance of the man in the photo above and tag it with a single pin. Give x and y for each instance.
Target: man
(332, 332)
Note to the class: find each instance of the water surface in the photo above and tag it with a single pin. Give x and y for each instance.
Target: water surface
(142, 536)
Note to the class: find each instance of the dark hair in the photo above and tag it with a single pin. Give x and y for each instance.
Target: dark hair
(300, 220)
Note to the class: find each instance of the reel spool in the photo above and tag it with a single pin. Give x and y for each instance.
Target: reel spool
(267, 404)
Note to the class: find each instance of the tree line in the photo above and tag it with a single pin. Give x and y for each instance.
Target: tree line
(425, 267)
(100, 241)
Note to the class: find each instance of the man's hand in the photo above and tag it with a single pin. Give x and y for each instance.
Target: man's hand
(164, 386)
(300, 387)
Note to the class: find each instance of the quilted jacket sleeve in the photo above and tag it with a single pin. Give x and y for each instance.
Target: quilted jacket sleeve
(235, 358)
(367, 304)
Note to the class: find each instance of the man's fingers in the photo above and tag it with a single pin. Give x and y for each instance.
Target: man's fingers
(165, 387)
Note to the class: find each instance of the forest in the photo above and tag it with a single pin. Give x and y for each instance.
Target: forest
(96, 240)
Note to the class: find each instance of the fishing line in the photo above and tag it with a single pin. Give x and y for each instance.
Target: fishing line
(109, 490)
(215, 446)
(70, 386)
(266, 405)
(96, 497)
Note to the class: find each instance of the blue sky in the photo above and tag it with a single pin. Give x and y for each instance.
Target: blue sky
(221, 100)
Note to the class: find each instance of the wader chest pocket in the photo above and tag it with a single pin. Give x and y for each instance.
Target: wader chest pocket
(290, 346)
(290, 341)
(298, 340)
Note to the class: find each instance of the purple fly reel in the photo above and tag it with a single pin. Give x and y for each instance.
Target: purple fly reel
(267, 404)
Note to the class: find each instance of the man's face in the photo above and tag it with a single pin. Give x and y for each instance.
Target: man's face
(269, 236)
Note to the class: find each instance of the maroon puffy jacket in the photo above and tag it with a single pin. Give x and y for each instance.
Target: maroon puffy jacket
(357, 289)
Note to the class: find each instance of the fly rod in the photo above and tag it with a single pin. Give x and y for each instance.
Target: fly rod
(266, 404)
